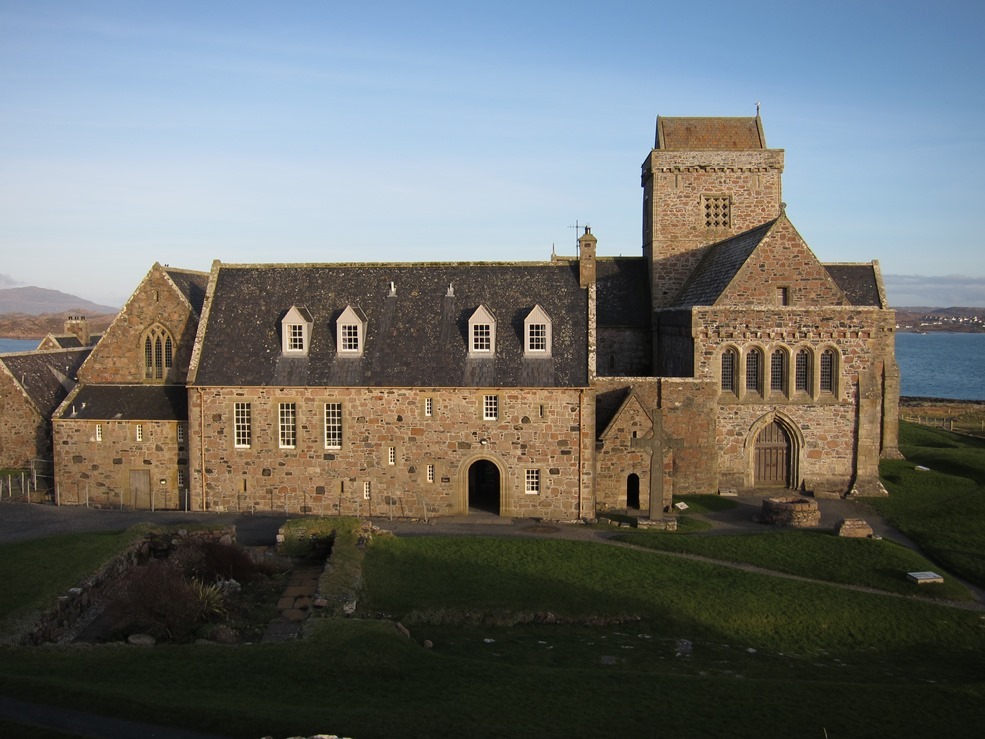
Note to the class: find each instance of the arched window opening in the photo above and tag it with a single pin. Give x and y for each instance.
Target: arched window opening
(828, 371)
(802, 372)
(633, 491)
(778, 371)
(158, 354)
(754, 371)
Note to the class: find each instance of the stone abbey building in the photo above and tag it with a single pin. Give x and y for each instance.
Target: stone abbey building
(725, 358)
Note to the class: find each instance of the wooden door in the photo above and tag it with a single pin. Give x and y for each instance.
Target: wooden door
(140, 489)
(773, 456)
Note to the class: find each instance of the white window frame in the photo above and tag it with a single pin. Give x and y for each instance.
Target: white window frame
(490, 407)
(287, 425)
(531, 481)
(242, 425)
(482, 333)
(333, 425)
(537, 333)
(139, 432)
(99, 432)
(391, 455)
(367, 489)
(296, 331)
(429, 407)
(350, 332)
(430, 473)
(180, 432)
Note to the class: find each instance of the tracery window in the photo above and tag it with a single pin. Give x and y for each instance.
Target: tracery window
(717, 211)
(802, 372)
(827, 373)
(158, 353)
(754, 370)
(778, 371)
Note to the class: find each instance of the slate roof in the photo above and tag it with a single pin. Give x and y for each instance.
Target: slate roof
(719, 265)
(622, 291)
(710, 134)
(129, 403)
(191, 284)
(46, 377)
(858, 282)
(71, 341)
(418, 338)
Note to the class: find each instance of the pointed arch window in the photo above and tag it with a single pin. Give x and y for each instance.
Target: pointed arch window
(778, 371)
(158, 354)
(802, 372)
(754, 371)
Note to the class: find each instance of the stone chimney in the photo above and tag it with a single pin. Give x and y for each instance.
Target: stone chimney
(78, 326)
(586, 258)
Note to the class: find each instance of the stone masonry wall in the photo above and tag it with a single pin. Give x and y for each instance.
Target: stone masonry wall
(118, 357)
(624, 352)
(24, 435)
(537, 429)
(828, 421)
(674, 183)
(99, 472)
(627, 448)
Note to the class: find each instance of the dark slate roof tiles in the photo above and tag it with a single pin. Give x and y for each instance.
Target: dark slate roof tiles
(47, 377)
(129, 403)
(415, 338)
(858, 282)
(191, 284)
(622, 291)
(719, 265)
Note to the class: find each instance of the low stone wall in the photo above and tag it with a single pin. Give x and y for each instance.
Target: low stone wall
(855, 528)
(56, 624)
(791, 510)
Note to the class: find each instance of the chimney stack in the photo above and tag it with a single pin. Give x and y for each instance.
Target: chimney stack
(586, 258)
(78, 326)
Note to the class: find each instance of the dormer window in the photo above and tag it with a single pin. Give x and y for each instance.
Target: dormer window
(351, 332)
(537, 333)
(482, 333)
(296, 331)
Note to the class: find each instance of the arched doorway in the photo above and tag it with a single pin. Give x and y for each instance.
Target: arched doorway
(484, 487)
(633, 491)
(772, 456)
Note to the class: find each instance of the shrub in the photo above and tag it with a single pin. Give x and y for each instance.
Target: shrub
(157, 599)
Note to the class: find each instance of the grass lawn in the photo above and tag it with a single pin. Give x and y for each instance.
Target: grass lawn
(943, 508)
(545, 637)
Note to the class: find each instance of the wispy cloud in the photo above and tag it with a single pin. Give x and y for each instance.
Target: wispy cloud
(935, 291)
(8, 281)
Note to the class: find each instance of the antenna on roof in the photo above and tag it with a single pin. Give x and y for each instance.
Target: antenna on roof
(577, 228)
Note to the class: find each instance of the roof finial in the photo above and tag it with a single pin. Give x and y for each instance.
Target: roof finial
(757, 109)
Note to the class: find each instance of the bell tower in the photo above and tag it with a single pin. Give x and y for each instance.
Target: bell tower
(706, 179)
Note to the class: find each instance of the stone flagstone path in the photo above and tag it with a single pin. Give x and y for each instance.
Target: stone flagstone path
(295, 604)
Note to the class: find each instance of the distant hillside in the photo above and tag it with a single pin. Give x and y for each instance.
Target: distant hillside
(23, 326)
(954, 319)
(35, 301)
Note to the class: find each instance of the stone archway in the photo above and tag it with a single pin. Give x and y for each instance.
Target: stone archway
(485, 486)
(773, 449)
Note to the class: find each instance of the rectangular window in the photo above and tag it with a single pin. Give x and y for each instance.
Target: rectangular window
(99, 432)
(242, 426)
(782, 296)
(140, 432)
(391, 455)
(481, 337)
(333, 425)
(287, 421)
(537, 338)
(532, 482)
(350, 337)
(181, 432)
(490, 407)
(366, 489)
(429, 406)
(430, 473)
(295, 337)
(181, 478)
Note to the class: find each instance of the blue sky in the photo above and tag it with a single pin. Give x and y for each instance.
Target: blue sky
(182, 132)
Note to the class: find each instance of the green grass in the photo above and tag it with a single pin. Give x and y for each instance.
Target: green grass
(35, 572)
(817, 555)
(942, 509)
